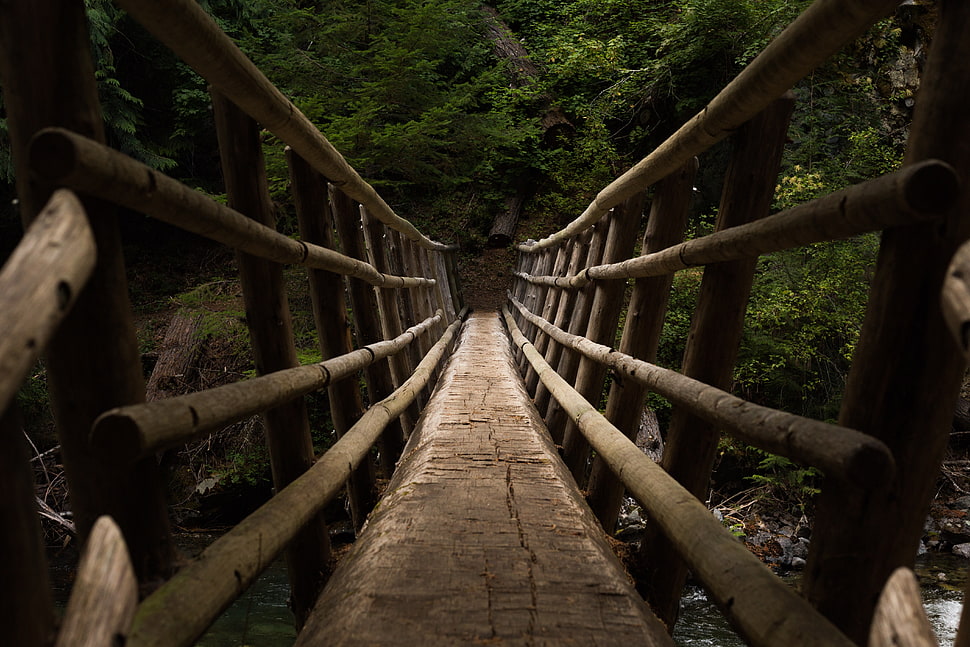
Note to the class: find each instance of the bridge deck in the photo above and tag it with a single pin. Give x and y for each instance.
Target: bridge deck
(482, 535)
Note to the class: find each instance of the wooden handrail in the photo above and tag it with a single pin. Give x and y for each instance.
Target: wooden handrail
(912, 194)
(185, 28)
(143, 429)
(807, 42)
(38, 285)
(765, 610)
(839, 452)
(182, 608)
(62, 157)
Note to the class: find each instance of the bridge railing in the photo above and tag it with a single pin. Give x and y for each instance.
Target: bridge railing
(64, 291)
(882, 459)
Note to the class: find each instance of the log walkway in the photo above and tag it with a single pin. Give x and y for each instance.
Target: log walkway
(482, 536)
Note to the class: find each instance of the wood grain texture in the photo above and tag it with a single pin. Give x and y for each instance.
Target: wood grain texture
(482, 536)
(900, 620)
(105, 593)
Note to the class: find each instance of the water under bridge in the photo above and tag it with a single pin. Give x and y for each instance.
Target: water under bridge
(503, 477)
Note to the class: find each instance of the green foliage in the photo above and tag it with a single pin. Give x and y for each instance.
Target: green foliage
(786, 481)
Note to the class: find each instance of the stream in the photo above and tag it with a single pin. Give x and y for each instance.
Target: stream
(941, 577)
(261, 617)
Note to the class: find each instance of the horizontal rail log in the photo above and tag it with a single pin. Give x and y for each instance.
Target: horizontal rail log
(839, 452)
(955, 298)
(765, 610)
(64, 158)
(143, 429)
(38, 286)
(912, 194)
(185, 28)
(820, 31)
(181, 610)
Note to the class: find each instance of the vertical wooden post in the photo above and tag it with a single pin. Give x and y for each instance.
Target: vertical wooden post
(550, 301)
(422, 301)
(535, 299)
(363, 304)
(330, 316)
(641, 332)
(556, 417)
(714, 338)
(607, 302)
(26, 605)
(390, 316)
(907, 370)
(526, 265)
(408, 301)
(93, 362)
(270, 329)
(451, 271)
(567, 299)
(440, 268)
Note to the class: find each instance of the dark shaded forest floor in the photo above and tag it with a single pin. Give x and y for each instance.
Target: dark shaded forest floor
(486, 277)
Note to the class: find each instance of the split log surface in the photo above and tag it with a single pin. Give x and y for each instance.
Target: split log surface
(482, 537)
(764, 610)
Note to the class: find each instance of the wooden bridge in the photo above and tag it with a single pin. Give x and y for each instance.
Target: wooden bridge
(483, 423)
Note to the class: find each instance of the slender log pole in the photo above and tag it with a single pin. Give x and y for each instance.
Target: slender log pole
(196, 38)
(330, 316)
(916, 193)
(816, 34)
(564, 311)
(93, 361)
(549, 305)
(712, 346)
(38, 285)
(641, 332)
(601, 329)
(556, 417)
(268, 316)
(389, 315)
(907, 368)
(143, 429)
(838, 451)
(396, 257)
(64, 158)
(363, 305)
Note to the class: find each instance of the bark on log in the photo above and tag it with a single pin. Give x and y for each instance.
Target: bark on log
(315, 216)
(503, 227)
(180, 350)
(523, 72)
(641, 332)
(38, 285)
(105, 594)
(288, 437)
(900, 620)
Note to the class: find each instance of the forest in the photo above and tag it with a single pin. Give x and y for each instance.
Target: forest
(419, 99)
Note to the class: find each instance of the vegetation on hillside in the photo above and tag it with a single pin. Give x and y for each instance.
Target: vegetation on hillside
(413, 96)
